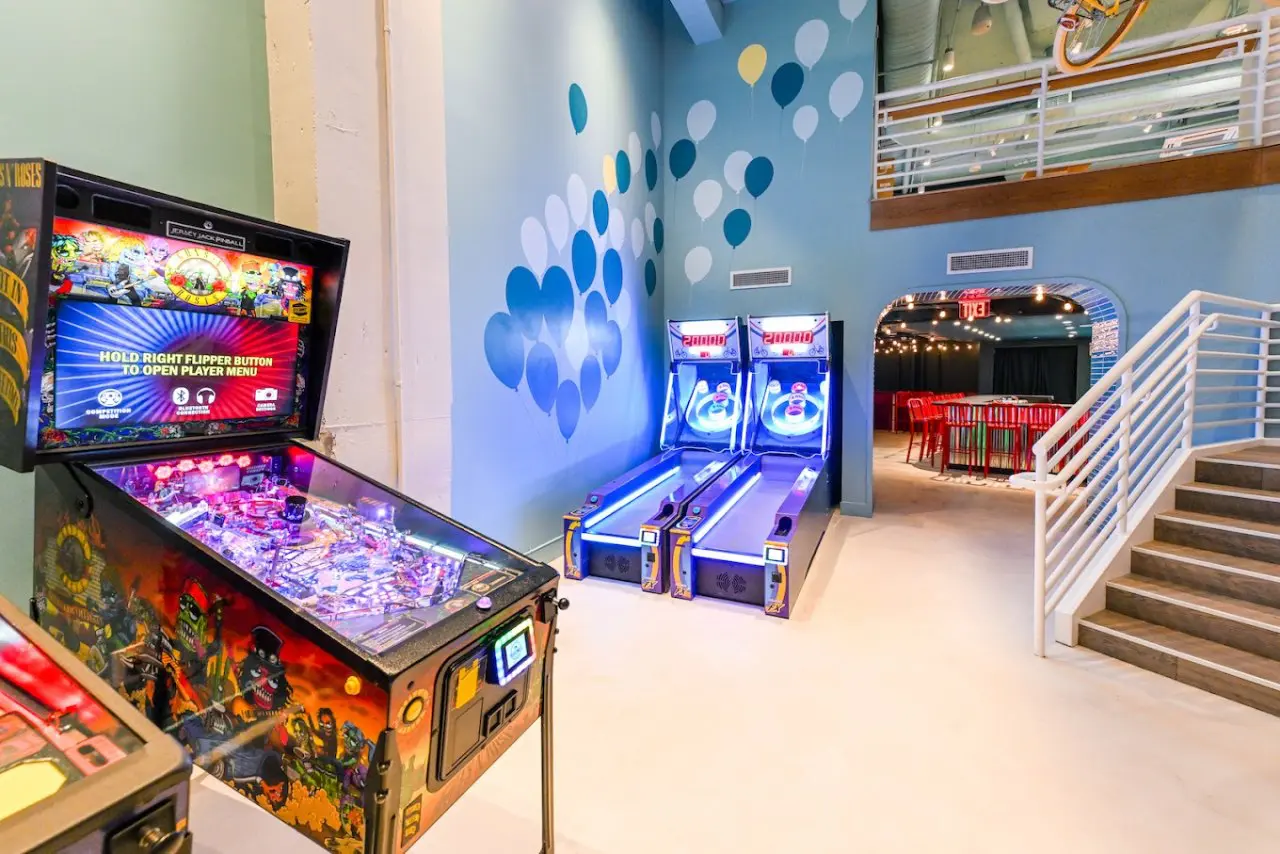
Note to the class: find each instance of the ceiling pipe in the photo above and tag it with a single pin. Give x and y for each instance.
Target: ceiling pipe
(1017, 25)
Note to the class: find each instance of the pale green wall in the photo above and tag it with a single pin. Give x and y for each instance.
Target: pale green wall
(168, 94)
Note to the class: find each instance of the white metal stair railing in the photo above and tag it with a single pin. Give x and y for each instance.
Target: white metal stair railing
(1209, 88)
(1199, 377)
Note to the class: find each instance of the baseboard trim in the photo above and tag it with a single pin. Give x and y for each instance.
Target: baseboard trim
(856, 508)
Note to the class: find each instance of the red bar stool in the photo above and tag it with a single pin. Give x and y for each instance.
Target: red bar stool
(1040, 420)
(960, 417)
(1002, 422)
(922, 422)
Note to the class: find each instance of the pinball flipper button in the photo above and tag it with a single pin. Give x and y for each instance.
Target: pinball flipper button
(484, 603)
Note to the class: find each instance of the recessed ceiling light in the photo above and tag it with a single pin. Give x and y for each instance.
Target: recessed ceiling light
(1147, 129)
(955, 323)
(1066, 306)
(942, 315)
(933, 323)
(1057, 317)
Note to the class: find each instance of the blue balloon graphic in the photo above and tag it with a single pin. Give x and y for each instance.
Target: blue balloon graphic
(650, 276)
(759, 176)
(600, 212)
(788, 80)
(596, 316)
(651, 169)
(524, 301)
(659, 235)
(683, 155)
(578, 108)
(590, 381)
(737, 227)
(557, 302)
(568, 408)
(612, 275)
(504, 349)
(543, 376)
(623, 165)
(612, 350)
(584, 261)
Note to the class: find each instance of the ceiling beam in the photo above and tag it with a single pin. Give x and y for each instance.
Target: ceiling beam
(704, 19)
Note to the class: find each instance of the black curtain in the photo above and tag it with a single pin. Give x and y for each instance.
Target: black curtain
(1036, 370)
(927, 371)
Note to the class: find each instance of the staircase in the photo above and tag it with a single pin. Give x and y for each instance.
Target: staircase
(1202, 602)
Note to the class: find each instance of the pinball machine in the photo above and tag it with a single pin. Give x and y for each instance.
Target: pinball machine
(345, 658)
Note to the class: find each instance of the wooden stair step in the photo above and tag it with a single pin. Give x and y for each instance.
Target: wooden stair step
(1231, 673)
(1257, 467)
(1236, 502)
(1229, 575)
(1240, 537)
(1222, 619)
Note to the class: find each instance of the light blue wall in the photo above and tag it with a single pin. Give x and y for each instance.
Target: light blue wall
(815, 216)
(521, 459)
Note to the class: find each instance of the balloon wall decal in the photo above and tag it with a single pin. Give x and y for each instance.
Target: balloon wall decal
(578, 108)
(576, 195)
(576, 343)
(683, 155)
(623, 166)
(650, 276)
(524, 301)
(659, 235)
(737, 227)
(533, 238)
(637, 238)
(735, 170)
(759, 176)
(811, 42)
(612, 351)
(846, 92)
(622, 310)
(788, 80)
(597, 317)
(697, 264)
(584, 261)
(655, 127)
(600, 212)
(702, 118)
(651, 170)
(504, 350)
(851, 9)
(609, 174)
(557, 303)
(543, 375)
(634, 152)
(707, 198)
(617, 229)
(612, 269)
(751, 64)
(805, 122)
(589, 380)
(568, 409)
(557, 217)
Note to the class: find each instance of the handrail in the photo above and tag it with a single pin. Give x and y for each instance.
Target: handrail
(1117, 447)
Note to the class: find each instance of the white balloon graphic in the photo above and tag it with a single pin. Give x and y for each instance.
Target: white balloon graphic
(650, 217)
(707, 198)
(805, 122)
(577, 343)
(637, 238)
(577, 197)
(655, 126)
(697, 264)
(533, 237)
(622, 310)
(735, 170)
(636, 152)
(617, 229)
(811, 42)
(846, 92)
(702, 118)
(557, 216)
(851, 9)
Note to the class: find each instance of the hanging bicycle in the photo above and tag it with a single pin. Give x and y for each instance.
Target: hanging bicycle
(1089, 30)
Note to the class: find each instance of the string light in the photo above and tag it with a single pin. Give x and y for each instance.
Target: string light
(1066, 306)
(942, 315)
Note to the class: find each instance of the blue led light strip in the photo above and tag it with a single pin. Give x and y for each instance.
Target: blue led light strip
(606, 512)
(728, 557)
(610, 539)
(711, 523)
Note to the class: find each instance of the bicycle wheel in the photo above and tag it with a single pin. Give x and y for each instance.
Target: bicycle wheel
(1090, 41)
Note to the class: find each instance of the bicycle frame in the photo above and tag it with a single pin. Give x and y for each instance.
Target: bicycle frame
(1106, 8)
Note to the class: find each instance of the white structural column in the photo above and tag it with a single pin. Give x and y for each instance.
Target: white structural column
(337, 78)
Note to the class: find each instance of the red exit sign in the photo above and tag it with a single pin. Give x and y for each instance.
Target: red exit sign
(695, 342)
(788, 338)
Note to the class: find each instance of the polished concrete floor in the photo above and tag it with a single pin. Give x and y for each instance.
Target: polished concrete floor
(900, 711)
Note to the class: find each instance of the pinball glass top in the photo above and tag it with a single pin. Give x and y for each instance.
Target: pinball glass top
(53, 733)
(375, 568)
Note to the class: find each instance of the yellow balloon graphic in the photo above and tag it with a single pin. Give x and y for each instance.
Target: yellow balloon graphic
(751, 64)
(610, 176)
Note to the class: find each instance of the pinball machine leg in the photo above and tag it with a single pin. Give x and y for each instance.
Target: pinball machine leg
(548, 731)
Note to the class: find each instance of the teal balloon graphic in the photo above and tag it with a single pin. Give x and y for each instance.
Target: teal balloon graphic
(568, 408)
(659, 235)
(788, 80)
(524, 301)
(557, 303)
(600, 212)
(578, 108)
(759, 176)
(596, 316)
(650, 276)
(651, 170)
(612, 275)
(589, 381)
(504, 349)
(584, 261)
(543, 376)
(622, 163)
(737, 227)
(683, 155)
(612, 350)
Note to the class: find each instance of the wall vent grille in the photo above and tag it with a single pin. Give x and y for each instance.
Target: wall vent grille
(774, 277)
(989, 261)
